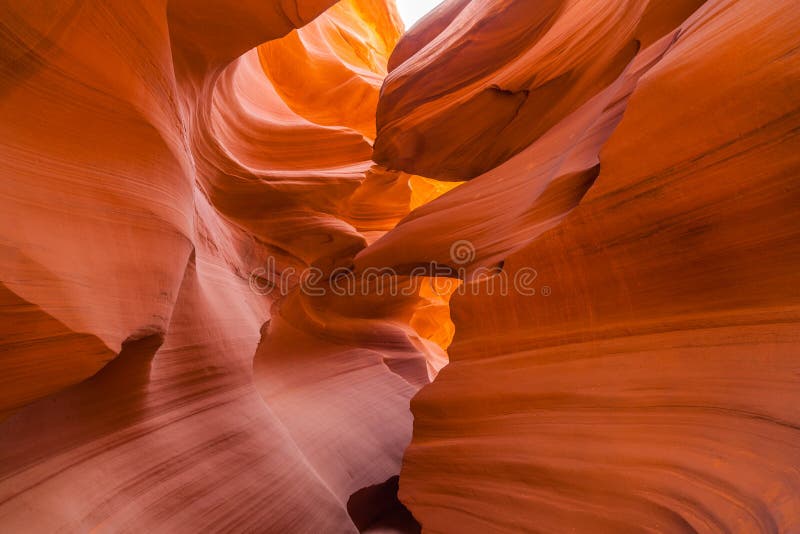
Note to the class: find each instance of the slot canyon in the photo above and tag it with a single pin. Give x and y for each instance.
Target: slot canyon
(286, 266)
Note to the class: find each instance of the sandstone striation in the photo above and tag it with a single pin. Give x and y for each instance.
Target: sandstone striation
(649, 385)
(200, 202)
(154, 157)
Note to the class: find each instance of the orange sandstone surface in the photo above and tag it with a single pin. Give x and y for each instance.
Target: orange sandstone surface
(173, 169)
(154, 156)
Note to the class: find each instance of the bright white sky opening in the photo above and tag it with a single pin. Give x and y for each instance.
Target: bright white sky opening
(413, 10)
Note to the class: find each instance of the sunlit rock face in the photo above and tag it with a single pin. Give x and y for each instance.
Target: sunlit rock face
(627, 167)
(155, 156)
(642, 157)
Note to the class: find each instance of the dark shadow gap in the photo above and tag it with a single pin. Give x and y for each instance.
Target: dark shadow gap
(377, 509)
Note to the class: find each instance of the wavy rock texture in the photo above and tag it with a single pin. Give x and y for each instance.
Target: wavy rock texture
(153, 158)
(642, 158)
(515, 69)
(170, 167)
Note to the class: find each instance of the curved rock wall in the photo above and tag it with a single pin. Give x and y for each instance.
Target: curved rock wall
(153, 158)
(627, 167)
(648, 175)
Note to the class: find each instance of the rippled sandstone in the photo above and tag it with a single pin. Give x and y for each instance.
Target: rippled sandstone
(642, 157)
(167, 166)
(154, 157)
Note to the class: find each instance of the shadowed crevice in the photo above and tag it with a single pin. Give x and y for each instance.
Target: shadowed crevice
(377, 509)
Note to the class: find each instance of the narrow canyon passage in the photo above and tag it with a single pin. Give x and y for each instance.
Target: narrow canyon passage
(249, 176)
(281, 266)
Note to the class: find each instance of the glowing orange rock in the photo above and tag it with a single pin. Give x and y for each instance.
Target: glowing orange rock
(171, 169)
(151, 164)
(506, 71)
(650, 383)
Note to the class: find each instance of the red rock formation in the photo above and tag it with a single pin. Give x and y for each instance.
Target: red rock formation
(514, 68)
(650, 383)
(151, 163)
(626, 166)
